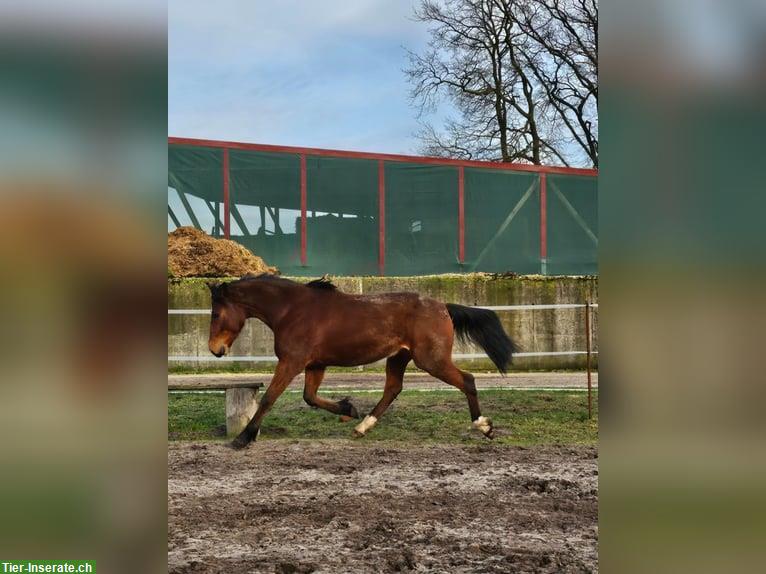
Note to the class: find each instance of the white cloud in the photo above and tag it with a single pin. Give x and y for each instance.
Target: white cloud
(281, 30)
(291, 72)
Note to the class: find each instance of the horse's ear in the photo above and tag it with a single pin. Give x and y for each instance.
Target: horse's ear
(214, 286)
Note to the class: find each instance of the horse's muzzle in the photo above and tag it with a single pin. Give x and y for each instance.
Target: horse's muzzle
(220, 352)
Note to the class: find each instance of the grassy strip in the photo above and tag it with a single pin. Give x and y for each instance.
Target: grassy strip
(235, 368)
(249, 368)
(521, 417)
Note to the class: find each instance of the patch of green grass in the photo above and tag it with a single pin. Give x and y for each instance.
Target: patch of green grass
(268, 368)
(520, 417)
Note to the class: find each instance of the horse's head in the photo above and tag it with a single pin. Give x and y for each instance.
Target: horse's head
(226, 320)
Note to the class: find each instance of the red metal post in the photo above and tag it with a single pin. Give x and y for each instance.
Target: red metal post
(587, 357)
(381, 218)
(461, 213)
(303, 210)
(226, 210)
(543, 223)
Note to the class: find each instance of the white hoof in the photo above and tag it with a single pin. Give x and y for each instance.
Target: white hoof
(484, 424)
(362, 428)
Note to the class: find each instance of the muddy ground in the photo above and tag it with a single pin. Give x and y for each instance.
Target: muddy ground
(346, 506)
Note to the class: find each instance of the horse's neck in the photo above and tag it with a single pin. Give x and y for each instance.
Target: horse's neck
(266, 302)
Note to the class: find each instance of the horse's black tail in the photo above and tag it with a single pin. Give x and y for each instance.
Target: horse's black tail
(483, 327)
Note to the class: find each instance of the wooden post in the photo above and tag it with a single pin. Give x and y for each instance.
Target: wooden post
(587, 356)
(241, 404)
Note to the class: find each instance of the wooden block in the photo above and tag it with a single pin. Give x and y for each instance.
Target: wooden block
(241, 404)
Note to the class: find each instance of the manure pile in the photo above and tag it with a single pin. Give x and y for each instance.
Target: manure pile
(194, 253)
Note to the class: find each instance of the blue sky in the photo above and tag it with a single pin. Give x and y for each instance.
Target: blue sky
(293, 72)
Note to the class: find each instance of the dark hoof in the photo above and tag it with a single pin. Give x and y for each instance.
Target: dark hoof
(239, 444)
(491, 434)
(242, 441)
(347, 409)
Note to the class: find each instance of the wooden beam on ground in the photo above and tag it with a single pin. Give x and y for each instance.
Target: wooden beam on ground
(212, 384)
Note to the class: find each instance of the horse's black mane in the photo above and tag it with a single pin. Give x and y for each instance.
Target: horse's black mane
(322, 283)
(262, 277)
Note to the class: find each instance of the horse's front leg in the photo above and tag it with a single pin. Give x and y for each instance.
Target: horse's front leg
(285, 372)
(313, 380)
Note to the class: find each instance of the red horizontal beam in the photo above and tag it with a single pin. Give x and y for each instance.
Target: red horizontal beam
(384, 156)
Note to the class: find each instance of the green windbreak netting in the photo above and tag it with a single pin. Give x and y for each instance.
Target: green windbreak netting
(342, 216)
(266, 206)
(421, 219)
(502, 221)
(502, 213)
(195, 188)
(572, 225)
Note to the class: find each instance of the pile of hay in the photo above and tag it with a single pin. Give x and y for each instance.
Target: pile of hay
(193, 253)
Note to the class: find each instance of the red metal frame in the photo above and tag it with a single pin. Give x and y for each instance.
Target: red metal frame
(461, 213)
(303, 210)
(381, 217)
(587, 357)
(226, 213)
(383, 156)
(543, 217)
(543, 171)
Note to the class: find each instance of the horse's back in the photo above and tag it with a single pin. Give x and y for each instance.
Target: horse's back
(414, 304)
(389, 298)
(348, 329)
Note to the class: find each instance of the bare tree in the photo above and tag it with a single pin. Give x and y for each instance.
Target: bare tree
(567, 31)
(517, 94)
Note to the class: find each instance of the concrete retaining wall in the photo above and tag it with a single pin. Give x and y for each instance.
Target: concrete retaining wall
(541, 330)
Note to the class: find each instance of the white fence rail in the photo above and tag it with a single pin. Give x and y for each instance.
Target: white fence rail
(273, 359)
(490, 307)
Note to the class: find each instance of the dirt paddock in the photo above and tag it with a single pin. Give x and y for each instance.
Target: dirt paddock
(348, 506)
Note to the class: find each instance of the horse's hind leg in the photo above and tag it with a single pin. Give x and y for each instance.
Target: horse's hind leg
(395, 367)
(314, 378)
(463, 381)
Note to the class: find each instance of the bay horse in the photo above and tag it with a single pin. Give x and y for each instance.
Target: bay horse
(315, 326)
